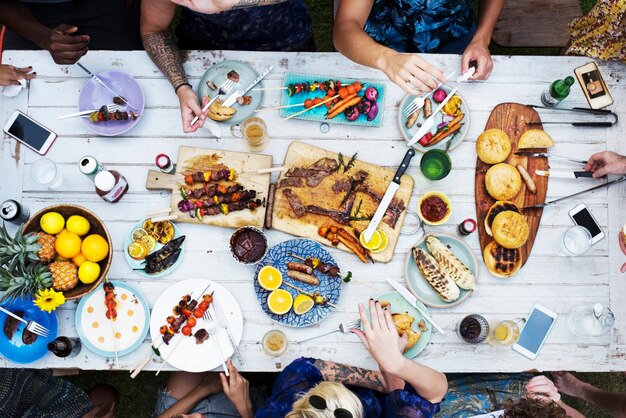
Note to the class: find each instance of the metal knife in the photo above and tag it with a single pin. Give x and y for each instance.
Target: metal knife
(103, 84)
(564, 174)
(408, 296)
(222, 322)
(386, 200)
(237, 94)
(541, 205)
(428, 123)
(548, 155)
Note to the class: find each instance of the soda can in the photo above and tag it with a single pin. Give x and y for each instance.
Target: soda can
(13, 212)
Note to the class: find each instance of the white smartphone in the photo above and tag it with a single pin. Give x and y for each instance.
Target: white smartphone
(29, 132)
(593, 85)
(535, 331)
(581, 215)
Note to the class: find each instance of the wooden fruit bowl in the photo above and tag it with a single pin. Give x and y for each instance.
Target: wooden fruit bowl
(97, 227)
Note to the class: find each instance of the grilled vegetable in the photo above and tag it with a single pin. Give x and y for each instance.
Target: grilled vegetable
(436, 276)
(164, 252)
(158, 266)
(446, 259)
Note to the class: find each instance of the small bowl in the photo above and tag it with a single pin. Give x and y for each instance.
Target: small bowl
(252, 232)
(443, 197)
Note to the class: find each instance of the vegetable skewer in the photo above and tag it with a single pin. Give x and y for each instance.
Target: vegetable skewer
(311, 295)
(330, 99)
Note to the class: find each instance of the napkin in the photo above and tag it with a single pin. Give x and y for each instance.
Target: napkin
(13, 90)
(213, 127)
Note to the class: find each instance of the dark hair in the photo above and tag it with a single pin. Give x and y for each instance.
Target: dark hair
(533, 408)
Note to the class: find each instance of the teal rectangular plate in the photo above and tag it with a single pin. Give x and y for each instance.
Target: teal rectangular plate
(319, 113)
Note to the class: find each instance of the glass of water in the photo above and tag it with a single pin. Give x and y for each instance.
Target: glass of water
(574, 241)
(46, 173)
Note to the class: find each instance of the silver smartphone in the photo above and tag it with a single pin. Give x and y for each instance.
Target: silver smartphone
(535, 331)
(581, 215)
(29, 132)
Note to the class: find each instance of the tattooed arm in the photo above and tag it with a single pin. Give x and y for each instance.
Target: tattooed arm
(156, 16)
(217, 6)
(350, 375)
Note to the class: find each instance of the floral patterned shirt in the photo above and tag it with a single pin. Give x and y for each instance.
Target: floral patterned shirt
(419, 25)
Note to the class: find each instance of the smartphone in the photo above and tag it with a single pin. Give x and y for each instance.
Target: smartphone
(581, 215)
(29, 132)
(535, 331)
(594, 88)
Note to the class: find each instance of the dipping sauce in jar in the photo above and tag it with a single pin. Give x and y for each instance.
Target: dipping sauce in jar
(434, 209)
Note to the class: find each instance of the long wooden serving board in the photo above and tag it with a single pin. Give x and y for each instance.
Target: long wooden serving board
(197, 159)
(378, 179)
(512, 118)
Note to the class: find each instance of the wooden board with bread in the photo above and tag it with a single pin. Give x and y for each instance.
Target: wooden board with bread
(505, 183)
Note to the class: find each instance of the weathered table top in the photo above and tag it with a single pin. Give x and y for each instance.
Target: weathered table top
(558, 282)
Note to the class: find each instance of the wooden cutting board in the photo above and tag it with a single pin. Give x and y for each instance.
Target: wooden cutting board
(304, 155)
(243, 163)
(512, 118)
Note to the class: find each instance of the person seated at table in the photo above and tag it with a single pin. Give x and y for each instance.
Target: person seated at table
(613, 403)
(279, 25)
(36, 393)
(10, 75)
(391, 36)
(606, 162)
(68, 29)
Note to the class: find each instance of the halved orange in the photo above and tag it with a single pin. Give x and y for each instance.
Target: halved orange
(270, 278)
(279, 301)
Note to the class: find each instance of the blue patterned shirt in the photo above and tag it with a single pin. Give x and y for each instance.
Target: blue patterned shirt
(419, 25)
(302, 375)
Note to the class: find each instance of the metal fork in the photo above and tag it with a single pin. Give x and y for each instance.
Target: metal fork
(32, 326)
(419, 101)
(225, 88)
(344, 327)
(110, 107)
(212, 329)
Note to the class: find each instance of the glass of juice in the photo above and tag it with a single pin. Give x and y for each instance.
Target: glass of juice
(506, 333)
(435, 164)
(275, 344)
(473, 329)
(254, 131)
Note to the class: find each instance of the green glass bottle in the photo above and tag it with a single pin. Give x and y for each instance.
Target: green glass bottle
(557, 91)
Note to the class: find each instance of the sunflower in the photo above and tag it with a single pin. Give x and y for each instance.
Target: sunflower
(48, 300)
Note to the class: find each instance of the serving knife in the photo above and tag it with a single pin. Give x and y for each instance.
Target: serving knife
(386, 200)
(548, 155)
(222, 322)
(428, 123)
(408, 296)
(564, 174)
(542, 205)
(103, 84)
(230, 100)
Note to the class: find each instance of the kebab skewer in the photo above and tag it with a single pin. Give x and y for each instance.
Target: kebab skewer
(330, 269)
(111, 313)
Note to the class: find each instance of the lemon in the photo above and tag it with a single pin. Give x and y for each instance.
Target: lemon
(67, 244)
(501, 333)
(149, 242)
(52, 223)
(95, 248)
(383, 241)
(138, 234)
(279, 301)
(137, 250)
(270, 278)
(79, 259)
(78, 225)
(88, 272)
(374, 243)
(302, 304)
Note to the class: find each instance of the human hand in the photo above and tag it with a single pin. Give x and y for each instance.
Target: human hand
(206, 6)
(477, 51)
(606, 162)
(64, 47)
(540, 387)
(237, 389)
(189, 109)
(380, 337)
(10, 75)
(411, 72)
(98, 411)
(210, 385)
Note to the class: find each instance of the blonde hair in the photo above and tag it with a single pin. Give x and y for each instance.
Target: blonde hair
(336, 396)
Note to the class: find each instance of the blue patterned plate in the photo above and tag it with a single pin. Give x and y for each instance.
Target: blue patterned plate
(319, 113)
(278, 256)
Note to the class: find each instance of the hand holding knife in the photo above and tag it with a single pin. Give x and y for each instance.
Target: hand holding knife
(103, 84)
(408, 296)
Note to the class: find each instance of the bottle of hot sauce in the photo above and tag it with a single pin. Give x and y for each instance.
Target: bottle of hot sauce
(111, 185)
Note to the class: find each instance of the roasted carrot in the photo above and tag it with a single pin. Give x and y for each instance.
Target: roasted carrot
(343, 105)
(456, 120)
(352, 248)
(443, 134)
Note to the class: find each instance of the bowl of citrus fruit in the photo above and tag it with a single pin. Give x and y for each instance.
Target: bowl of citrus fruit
(74, 252)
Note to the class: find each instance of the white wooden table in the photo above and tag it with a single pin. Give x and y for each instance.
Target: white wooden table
(558, 282)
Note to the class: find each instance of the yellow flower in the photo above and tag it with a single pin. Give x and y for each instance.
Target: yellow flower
(48, 300)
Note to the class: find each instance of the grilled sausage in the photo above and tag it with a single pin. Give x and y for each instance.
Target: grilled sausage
(270, 206)
(303, 268)
(530, 184)
(303, 277)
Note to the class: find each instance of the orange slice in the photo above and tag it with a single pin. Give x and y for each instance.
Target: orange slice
(270, 278)
(279, 301)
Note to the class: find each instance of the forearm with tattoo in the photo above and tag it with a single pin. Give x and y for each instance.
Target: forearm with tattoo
(350, 375)
(163, 51)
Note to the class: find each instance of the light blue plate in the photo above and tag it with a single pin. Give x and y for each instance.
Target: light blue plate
(14, 349)
(319, 113)
(247, 74)
(91, 309)
(422, 289)
(278, 256)
(139, 264)
(400, 305)
(456, 138)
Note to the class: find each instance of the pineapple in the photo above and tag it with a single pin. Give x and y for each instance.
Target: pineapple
(47, 252)
(64, 275)
(21, 249)
(24, 281)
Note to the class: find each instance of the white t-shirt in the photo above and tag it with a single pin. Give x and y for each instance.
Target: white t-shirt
(495, 414)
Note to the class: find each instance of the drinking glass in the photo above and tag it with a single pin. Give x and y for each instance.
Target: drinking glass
(275, 344)
(45, 172)
(254, 131)
(506, 333)
(574, 241)
(435, 164)
(473, 329)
